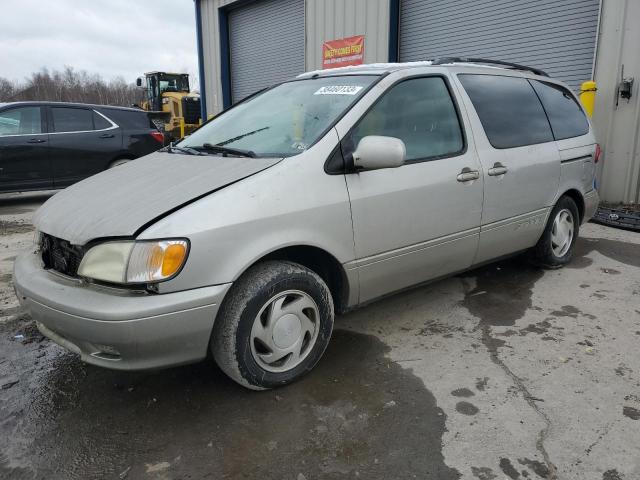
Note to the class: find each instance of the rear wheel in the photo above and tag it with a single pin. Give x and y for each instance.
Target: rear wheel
(555, 247)
(274, 325)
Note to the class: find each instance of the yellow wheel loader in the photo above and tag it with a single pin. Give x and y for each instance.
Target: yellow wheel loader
(168, 96)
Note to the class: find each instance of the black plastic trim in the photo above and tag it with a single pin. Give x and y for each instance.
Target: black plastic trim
(515, 66)
(576, 159)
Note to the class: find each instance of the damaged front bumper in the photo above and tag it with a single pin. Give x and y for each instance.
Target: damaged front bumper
(117, 328)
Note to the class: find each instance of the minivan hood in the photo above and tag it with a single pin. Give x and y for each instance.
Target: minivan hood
(120, 201)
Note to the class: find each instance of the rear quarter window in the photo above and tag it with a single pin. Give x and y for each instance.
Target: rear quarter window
(100, 122)
(509, 110)
(565, 115)
(130, 119)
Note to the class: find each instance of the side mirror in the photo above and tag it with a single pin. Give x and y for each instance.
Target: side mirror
(375, 152)
(139, 81)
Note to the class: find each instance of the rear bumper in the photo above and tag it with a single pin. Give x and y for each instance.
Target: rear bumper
(114, 328)
(591, 201)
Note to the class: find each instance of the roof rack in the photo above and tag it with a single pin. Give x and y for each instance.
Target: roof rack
(445, 60)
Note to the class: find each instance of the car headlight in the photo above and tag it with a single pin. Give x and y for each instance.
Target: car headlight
(130, 262)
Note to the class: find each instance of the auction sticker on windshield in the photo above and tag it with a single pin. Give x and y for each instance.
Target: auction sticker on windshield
(339, 90)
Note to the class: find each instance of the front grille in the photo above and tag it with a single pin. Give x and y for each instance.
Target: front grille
(191, 109)
(60, 255)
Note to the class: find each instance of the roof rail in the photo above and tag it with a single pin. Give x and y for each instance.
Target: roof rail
(445, 60)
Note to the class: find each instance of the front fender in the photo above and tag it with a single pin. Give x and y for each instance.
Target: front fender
(292, 203)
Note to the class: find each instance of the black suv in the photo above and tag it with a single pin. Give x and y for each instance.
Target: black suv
(49, 145)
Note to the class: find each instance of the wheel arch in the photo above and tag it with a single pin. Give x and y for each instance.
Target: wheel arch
(578, 198)
(121, 156)
(321, 262)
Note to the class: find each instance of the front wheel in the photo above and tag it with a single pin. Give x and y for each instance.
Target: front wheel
(555, 247)
(274, 325)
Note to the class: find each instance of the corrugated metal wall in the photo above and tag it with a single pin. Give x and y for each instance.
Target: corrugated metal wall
(333, 19)
(556, 36)
(266, 42)
(616, 120)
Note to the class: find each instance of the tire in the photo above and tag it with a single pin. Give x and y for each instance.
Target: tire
(118, 162)
(275, 307)
(555, 249)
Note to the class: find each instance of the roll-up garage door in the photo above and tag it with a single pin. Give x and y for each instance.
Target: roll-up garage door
(266, 42)
(558, 37)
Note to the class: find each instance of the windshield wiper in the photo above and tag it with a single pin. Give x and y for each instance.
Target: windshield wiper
(171, 148)
(231, 140)
(209, 147)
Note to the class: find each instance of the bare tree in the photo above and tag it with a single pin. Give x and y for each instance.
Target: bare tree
(7, 89)
(70, 85)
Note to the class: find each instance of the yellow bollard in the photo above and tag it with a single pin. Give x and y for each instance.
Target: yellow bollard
(588, 96)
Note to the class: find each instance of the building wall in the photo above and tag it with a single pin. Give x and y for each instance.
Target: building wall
(618, 126)
(326, 20)
(333, 19)
(211, 53)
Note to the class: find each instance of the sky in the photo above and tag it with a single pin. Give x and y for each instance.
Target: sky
(114, 38)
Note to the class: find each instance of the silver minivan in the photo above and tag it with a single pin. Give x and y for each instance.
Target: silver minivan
(306, 200)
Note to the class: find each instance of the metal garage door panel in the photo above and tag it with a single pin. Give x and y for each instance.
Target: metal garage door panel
(558, 37)
(266, 41)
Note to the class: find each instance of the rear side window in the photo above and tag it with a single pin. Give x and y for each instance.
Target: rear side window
(565, 115)
(509, 109)
(71, 119)
(130, 119)
(20, 121)
(421, 113)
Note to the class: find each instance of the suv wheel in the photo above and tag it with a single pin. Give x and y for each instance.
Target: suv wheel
(274, 325)
(120, 161)
(555, 247)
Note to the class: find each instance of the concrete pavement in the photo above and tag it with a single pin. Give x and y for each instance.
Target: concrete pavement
(505, 372)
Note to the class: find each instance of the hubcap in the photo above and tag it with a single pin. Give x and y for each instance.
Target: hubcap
(562, 233)
(285, 331)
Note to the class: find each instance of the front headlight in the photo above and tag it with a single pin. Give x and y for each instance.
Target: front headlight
(130, 262)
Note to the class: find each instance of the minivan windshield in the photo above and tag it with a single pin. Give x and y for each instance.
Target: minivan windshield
(282, 121)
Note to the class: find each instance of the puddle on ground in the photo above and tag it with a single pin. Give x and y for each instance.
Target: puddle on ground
(501, 296)
(623, 252)
(356, 412)
(508, 469)
(503, 291)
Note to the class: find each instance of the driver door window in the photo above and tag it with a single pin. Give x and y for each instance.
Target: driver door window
(21, 121)
(421, 113)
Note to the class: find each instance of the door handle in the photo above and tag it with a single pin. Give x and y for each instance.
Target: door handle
(107, 135)
(36, 140)
(497, 169)
(466, 175)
